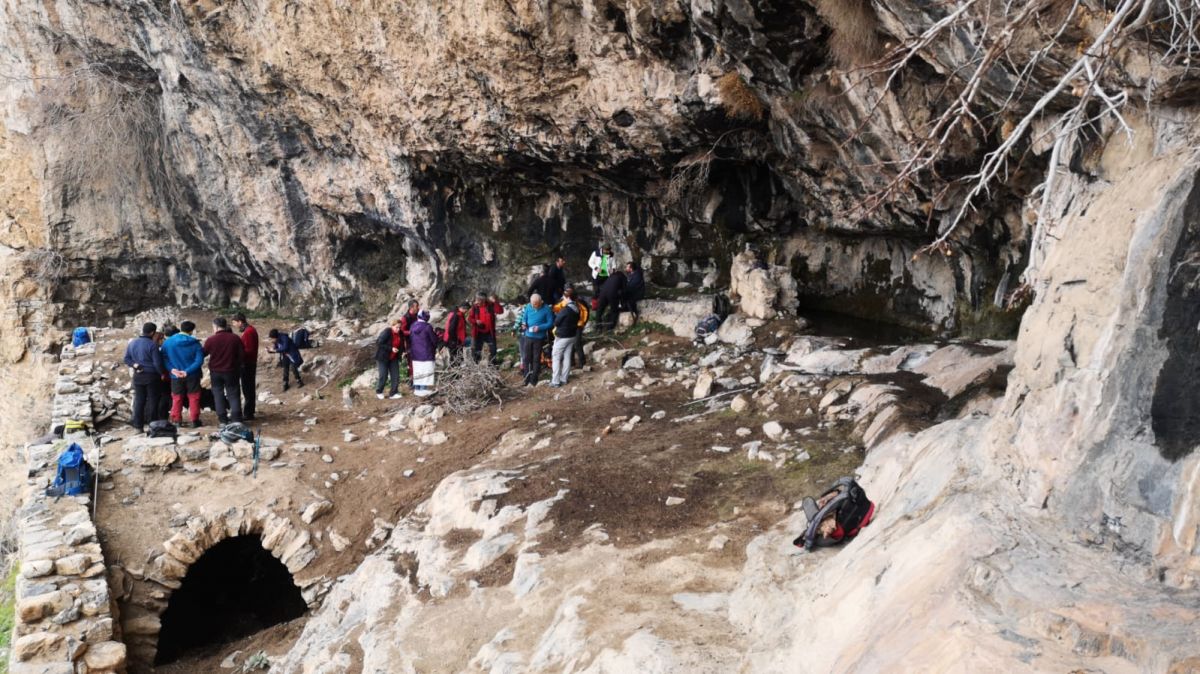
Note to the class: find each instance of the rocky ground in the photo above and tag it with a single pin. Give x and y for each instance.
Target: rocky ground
(643, 480)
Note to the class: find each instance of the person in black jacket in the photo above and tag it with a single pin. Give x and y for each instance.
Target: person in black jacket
(543, 286)
(388, 349)
(635, 289)
(609, 302)
(566, 331)
(558, 274)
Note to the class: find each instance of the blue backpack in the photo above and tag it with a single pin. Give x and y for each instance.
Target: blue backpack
(80, 337)
(74, 474)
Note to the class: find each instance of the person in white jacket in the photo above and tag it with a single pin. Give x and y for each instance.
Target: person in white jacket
(601, 264)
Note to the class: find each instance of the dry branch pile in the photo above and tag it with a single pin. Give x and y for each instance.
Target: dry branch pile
(469, 386)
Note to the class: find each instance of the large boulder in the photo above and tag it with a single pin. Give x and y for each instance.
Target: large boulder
(763, 291)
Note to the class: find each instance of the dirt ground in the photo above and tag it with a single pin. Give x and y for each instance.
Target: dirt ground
(619, 481)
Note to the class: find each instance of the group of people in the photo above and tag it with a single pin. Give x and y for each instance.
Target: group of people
(553, 320)
(414, 341)
(168, 367)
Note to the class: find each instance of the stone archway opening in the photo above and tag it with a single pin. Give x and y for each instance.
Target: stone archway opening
(235, 589)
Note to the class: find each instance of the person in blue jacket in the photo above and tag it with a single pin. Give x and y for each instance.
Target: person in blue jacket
(537, 319)
(289, 356)
(184, 356)
(146, 361)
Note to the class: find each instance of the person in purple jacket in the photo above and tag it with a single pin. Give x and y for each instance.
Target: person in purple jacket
(424, 349)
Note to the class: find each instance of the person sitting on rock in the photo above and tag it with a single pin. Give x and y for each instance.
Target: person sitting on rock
(601, 264)
(225, 353)
(146, 361)
(424, 351)
(407, 321)
(609, 302)
(482, 319)
(289, 356)
(635, 289)
(389, 348)
(538, 319)
(455, 334)
(185, 357)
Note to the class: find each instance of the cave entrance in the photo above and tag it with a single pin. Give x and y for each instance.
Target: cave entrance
(235, 589)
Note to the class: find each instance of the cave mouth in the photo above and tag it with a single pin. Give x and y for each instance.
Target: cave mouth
(234, 590)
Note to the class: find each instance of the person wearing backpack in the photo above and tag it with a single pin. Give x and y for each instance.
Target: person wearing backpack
(225, 353)
(146, 362)
(601, 264)
(249, 377)
(581, 306)
(289, 356)
(608, 308)
(455, 333)
(424, 352)
(184, 357)
(482, 319)
(566, 331)
(538, 319)
(388, 349)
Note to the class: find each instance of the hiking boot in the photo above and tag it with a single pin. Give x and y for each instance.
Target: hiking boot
(299, 383)
(196, 424)
(286, 386)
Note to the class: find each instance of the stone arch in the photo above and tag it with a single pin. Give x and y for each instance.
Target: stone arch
(291, 544)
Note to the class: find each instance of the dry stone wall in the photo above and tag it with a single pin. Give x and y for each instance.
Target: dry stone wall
(65, 613)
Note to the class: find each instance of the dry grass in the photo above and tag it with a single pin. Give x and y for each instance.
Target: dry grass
(738, 99)
(854, 38)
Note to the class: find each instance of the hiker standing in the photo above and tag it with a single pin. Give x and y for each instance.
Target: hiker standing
(537, 319)
(455, 333)
(225, 353)
(601, 264)
(566, 331)
(406, 325)
(581, 306)
(250, 365)
(543, 285)
(184, 357)
(558, 273)
(289, 356)
(608, 307)
(482, 319)
(143, 356)
(635, 289)
(163, 409)
(388, 348)
(424, 351)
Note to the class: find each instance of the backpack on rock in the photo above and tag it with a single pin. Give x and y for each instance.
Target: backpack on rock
(74, 474)
(837, 516)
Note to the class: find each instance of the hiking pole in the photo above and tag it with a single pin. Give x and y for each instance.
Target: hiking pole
(257, 445)
(95, 475)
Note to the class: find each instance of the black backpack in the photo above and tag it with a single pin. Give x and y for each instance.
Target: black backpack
(847, 504)
(721, 306)
(162, 429)
(302, 339)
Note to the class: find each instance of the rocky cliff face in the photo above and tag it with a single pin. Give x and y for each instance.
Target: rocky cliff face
(340, 156)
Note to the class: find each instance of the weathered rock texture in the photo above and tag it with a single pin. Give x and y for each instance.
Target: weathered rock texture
(342, 155)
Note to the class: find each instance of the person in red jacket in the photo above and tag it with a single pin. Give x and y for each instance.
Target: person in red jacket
(482, 319)
(455, 334)
(406, 325)
(225, 352)
(249, 365)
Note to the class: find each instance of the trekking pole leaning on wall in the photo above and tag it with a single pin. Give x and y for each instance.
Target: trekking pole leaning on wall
(95, 474)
